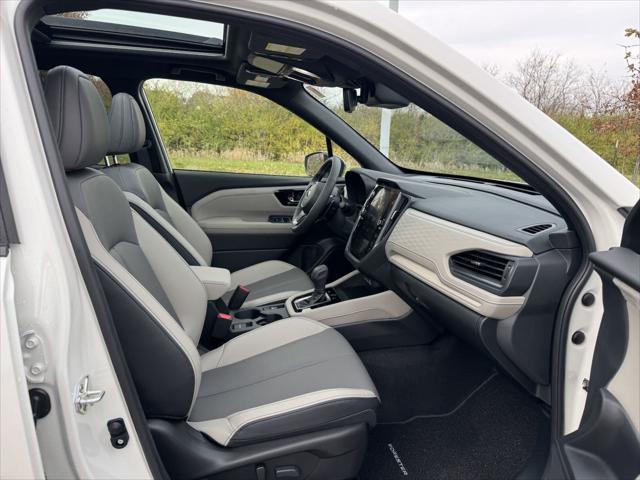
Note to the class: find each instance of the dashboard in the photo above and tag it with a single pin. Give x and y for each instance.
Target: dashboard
(487, 262)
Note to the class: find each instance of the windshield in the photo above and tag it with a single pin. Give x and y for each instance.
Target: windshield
(414, 139)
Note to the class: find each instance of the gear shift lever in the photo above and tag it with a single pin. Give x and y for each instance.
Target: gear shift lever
(318, 277)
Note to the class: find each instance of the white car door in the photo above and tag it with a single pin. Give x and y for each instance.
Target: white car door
(607, 443)
(20, 454)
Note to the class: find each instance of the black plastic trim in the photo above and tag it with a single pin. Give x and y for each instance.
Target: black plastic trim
(621, 263)
(631, 231)
(517, 277)
(190, 454)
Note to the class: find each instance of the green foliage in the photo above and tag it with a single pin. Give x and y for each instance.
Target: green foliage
(613, 137)
(236, 120)
(233, 130)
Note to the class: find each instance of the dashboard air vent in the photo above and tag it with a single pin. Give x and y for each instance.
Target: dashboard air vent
(482, 264)
(535, 229)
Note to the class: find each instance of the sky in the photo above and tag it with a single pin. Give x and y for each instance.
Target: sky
(501, 32)
(162, 22)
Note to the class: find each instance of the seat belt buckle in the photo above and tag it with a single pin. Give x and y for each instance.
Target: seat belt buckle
(222, 325)
(240, 294)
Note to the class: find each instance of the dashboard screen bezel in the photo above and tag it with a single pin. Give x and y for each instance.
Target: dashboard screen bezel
(392, 209)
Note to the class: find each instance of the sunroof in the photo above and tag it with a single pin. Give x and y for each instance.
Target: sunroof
(142, 23)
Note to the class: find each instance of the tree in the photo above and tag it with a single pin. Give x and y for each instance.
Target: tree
(631, 99)
(548, 81)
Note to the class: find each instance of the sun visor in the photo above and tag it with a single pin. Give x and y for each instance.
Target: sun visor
(268, 64)
(253, 78)
(282, 48)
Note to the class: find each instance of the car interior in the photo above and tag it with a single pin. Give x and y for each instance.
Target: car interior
(372, 323)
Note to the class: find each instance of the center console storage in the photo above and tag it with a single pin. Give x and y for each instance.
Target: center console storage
(244, 320)
(349, 287)
(350, 300)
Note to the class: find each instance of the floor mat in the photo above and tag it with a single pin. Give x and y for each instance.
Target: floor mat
(426, 379)
(490, 435)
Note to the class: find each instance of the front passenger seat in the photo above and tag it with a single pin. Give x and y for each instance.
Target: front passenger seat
(267, 281)
(291, 396)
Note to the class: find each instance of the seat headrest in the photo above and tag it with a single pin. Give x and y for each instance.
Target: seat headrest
(127, 125)
(78, 116)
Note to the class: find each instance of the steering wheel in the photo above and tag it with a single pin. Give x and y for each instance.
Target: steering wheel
(315, 198)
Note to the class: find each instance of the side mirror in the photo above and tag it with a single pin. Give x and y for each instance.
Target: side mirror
(314, 161)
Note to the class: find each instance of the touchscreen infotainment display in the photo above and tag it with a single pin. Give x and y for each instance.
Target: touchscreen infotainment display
(374, 215)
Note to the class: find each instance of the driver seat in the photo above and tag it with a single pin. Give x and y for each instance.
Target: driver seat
(267, 281)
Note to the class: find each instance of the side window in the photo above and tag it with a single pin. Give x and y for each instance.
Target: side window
(223, 129)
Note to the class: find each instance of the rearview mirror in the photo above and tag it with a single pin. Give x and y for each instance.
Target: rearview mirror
(314, 161)
(372, 95)
(349, 99)
(383, 97)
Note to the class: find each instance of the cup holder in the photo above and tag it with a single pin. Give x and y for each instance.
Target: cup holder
(251, 314)
(268, 318)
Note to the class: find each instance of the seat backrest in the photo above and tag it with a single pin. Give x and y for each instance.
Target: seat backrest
(158, 303)
(143, 191)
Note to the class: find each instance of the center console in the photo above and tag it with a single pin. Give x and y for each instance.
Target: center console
(347, 288)
(244, 320)
(350, 300)
(359, 297)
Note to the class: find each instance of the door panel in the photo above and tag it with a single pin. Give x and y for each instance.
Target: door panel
(195, 185)
(607, 443)
(244, 211)
(245, 215)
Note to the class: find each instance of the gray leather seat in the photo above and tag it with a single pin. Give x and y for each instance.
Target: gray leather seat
(292, 377)
(268, 281)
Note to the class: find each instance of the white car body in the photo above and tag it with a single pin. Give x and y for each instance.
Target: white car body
(42, 279)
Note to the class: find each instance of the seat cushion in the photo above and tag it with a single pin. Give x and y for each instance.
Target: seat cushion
(269, 281)
(286, 378)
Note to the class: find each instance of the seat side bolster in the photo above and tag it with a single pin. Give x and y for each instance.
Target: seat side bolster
(189, 228)
(143, 298)
(223, 430)
(150, 213)
(182, 286)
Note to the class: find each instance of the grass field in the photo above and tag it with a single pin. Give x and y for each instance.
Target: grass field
(294, 166)
(221, 164)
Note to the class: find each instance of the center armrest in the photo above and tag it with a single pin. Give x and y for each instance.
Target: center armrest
(216, 281)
